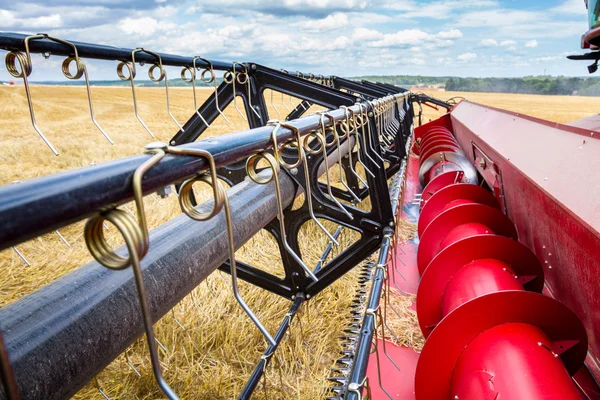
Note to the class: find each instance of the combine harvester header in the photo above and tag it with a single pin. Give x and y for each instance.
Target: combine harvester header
(503, 263)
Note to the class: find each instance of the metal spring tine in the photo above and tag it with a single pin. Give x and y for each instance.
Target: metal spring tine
(162, 346)
(62, 238)
(303, 147)
(248, 84)
(221, 201)
(339, 161)
(374, 343)
(283, 102)
(155, 198)
(26, 67)
(383, 341)
(351, 163)
(21, 256)
(366, 142)
(135, 234)
(273, 104)
(100, 390)
(323, 140)
(359, 143)
(193, 297)
(274, 165)
(163, 75)
(128, 361)
(213, 79)
(176, 320)
(368, 135)
(81, 71)
(210, 289)
(230, 77)
(131, 79)
(291, 102)
(192, 79)
(308, 346)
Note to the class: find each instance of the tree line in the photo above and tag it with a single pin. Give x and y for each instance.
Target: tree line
(544, 85)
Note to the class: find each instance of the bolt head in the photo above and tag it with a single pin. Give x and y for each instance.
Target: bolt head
(294, 171)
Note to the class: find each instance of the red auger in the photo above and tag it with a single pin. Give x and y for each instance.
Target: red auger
(490, 332)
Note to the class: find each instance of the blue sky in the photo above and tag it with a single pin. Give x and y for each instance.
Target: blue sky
(341, 37)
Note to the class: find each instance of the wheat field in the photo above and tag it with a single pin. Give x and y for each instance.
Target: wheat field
(211, 345)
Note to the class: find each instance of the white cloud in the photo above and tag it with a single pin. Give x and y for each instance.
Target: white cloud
(532, 44)
(575, 7)
(467, 57)
(364, 34)
(508, 43)
(452, 34)
(489, 43)
(331, 22)
(145, 26)
(413, 37)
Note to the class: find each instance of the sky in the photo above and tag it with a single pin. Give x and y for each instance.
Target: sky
(477, 38)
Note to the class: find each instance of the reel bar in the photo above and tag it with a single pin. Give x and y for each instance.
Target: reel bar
(49, 203)
(15, 41)
(65, 313)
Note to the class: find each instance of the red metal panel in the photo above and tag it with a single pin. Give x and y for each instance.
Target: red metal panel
(549, 183)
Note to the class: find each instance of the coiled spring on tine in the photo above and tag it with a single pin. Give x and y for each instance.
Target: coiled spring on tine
(363, 120)
(212, 79)
(337, 138)
(192, 79)
(368, 136)
(303, 148)
(274, 165)
(322, 138)
(23, 71)
(355, 122)
(131, 77)
(231, 77)
(137, 242)
(221, 201)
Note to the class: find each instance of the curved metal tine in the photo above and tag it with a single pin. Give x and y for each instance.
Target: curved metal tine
(81, 70)
(176, 320)
(370, 136)
(283, 102)
(359, 144)
(192, 80)
(232, 77)
(373, 312)
(383, 326)
(21, 256)
(62, 238)
(163, 75)
(131, 78)
(339, 161)
(221, 200)
(323, 139)
(128, 361)
(135, 234)
(213, 79)
(302, 145)
(275, 168)
(363, 136)
(26, 67)
(248, 89)
(100, 390)
(273, 103)
(351, 162)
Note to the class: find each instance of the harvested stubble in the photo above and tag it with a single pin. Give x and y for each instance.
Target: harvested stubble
(215, 353)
